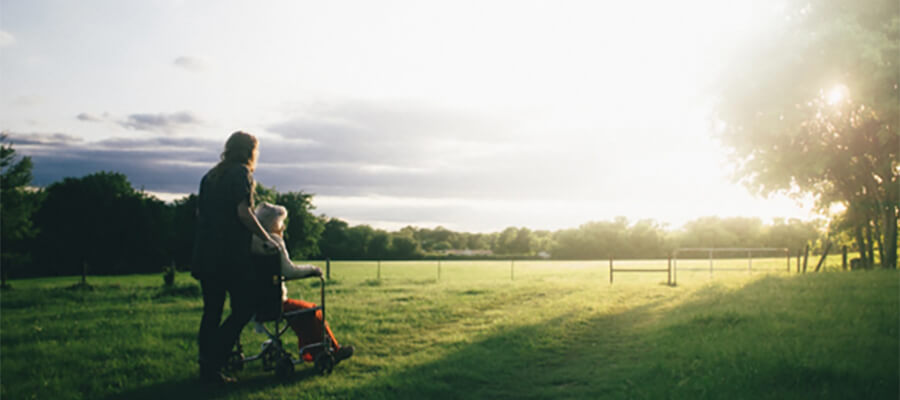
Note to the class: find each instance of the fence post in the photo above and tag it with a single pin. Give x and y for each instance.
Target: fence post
(805, 258)
(327, 268)
(844, 258)
(610, 269)
(669, 279)
(675, 268)
(824, 255)
(788, 252)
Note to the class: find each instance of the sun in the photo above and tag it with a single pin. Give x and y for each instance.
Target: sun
(836, 94)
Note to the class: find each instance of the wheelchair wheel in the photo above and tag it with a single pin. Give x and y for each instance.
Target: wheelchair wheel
(270, 357)
(324, 363)
(285, 367)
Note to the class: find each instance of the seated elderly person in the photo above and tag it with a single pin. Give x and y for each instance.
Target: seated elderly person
(271, 217)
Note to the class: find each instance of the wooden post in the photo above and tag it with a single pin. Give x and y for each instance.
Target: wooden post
(844, 258)
(327, 268)
(610, 269)
(805, 258)
(669, 279)
(824, 254)
(674, 268)
(788, 253)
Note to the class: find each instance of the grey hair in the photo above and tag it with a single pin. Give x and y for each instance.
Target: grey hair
(270, 215)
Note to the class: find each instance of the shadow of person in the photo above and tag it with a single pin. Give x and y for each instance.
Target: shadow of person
(193, 388)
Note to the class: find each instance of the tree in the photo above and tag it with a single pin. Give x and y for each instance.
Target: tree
(101, 220)
(17, 204)
(380, 245)
(333, 243)
(358, 241)
(404, 246)
(303, 228)
(184, 225)
(813, 110)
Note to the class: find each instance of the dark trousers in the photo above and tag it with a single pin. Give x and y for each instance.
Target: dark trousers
(215, 341)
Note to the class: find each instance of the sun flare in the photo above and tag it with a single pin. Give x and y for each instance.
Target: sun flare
(837, 94)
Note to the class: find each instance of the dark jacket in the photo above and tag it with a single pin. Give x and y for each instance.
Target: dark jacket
(222, 242)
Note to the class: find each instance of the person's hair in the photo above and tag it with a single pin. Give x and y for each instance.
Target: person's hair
(271, 216)
(240, 149)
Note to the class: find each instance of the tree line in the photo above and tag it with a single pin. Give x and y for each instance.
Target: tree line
(102, 223)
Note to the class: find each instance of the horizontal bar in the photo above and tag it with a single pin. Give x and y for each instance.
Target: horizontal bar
(727, 269)
(715, 249)
(641, 270)
(303, 311)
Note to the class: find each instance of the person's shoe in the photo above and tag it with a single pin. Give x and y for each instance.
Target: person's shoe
(343, 353)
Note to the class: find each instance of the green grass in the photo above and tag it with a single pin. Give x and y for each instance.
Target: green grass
(558, 330)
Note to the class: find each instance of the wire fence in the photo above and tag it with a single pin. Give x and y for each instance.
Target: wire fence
(686, 267)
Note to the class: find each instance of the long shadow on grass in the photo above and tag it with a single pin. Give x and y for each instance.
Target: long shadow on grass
(192, 388)
(710, 346)
(801, 337)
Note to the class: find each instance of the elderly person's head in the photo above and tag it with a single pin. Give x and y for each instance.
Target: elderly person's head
(271, 217)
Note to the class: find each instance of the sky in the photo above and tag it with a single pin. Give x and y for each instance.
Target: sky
(472, 115)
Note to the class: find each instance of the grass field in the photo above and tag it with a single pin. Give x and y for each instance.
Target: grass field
(546, 329)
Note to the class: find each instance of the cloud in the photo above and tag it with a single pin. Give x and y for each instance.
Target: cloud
(416, 150)
(164, 164)
(6, 39)
(161, 122)
(88, 117)
(190, 63)
(55, 140)
(391, 134)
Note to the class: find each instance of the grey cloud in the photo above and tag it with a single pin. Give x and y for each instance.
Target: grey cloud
(194, 64)
(354, 149)
(148, 163)
(395, 134)
(88, 117)
(161, 122)
(54, 140)
(425, 152)
(391, 121)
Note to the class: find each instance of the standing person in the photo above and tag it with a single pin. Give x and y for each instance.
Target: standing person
(221, 260)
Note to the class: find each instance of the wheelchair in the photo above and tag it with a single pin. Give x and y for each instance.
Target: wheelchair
(266, 284)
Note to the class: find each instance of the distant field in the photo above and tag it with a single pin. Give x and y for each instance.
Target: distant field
(552, 330)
